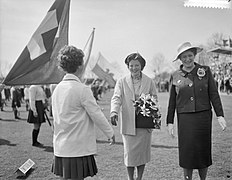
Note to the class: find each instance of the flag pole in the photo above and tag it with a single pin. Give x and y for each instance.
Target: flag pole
(49, 122)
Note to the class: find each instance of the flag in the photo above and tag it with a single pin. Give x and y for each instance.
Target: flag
(112, 67)
(87, 51)
(37, 63)
(103, 73)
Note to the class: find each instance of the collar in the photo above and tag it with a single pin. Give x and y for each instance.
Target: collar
(184, 73)
(71, 77)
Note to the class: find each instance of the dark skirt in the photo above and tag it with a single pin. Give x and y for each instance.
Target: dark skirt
(194, 139)
(15, 103)
(74, 167)
(40, 110)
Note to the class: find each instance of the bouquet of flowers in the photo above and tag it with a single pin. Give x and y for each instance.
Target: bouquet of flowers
(147, 112)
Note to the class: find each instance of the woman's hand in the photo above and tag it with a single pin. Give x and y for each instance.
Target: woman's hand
(222, 122)
(114, 118)
(112, 140)
(171, 130)
(35, 114)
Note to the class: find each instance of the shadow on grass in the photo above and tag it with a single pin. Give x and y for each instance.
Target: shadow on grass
(8, 120)
(107, 142)
(6, 142)
(26, 175)
(22, 119)
(48, 148)
(153, 146)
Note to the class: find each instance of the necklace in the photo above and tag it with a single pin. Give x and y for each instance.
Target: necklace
(137, 77)
(136, 81)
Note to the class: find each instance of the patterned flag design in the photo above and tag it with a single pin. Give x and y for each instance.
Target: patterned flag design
(37, 63)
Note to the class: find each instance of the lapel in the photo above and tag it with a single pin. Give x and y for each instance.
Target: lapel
(130, 85)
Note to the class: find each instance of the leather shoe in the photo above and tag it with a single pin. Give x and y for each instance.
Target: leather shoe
(37, 144)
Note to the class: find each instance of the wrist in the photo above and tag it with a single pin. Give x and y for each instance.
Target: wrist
(113, 113)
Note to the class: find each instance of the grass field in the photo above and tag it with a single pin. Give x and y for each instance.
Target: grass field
(15, 149)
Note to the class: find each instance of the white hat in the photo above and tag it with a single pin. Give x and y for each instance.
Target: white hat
(184, 47)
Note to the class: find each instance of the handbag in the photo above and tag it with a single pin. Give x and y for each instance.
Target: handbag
(147, 122)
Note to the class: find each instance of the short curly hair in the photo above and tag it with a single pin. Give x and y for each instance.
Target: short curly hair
(135, 56)
(70, 58)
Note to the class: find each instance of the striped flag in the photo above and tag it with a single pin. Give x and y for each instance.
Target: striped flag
(37, 64)
(103, 72)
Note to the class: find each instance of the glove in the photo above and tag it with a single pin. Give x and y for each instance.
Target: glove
(171, 130)
(222, 122)
(114, 118)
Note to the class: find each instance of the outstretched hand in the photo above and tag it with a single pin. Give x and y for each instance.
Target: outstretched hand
(114, 118)
(112, 140)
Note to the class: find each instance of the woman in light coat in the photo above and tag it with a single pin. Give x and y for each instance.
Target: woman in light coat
(136, 141)
(75, 111)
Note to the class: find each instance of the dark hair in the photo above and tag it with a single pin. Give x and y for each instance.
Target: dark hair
(193, 50)
(135, 56)
(70, 58)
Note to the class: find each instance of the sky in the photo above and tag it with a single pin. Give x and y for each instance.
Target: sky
(122, 27)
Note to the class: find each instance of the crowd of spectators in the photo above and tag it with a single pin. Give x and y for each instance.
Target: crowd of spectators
(223, 76)
(20, 95)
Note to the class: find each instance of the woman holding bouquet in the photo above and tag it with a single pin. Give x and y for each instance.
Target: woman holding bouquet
(193, 90)
(136, 141)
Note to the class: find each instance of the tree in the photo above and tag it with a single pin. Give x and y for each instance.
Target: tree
(158, 60)
(215, 40)
(204, 58)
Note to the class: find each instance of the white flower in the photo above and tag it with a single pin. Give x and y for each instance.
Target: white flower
(145, 112)
(201, 72)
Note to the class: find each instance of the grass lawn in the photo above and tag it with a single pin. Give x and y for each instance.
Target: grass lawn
(15, 149)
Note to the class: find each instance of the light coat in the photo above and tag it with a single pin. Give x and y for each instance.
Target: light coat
(122, 101)
(75, 111)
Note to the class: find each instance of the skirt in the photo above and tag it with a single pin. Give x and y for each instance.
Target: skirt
(74, 167)
(137, 149)
(15, 104)
(194, 139)
(40, 110)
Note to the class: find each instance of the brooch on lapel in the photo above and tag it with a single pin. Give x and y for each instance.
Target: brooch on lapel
(201, 73)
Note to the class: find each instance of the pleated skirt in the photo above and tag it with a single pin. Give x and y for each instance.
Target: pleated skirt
(194, 139)
(137, 149)
(74, 167)
(40, 110)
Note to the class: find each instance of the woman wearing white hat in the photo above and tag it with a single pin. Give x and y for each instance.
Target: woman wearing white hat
(192, 92)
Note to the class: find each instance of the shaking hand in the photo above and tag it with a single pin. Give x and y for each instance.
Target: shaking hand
(114, 118)
(112, 140)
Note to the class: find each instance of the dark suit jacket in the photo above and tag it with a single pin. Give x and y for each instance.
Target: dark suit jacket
(193, 92)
